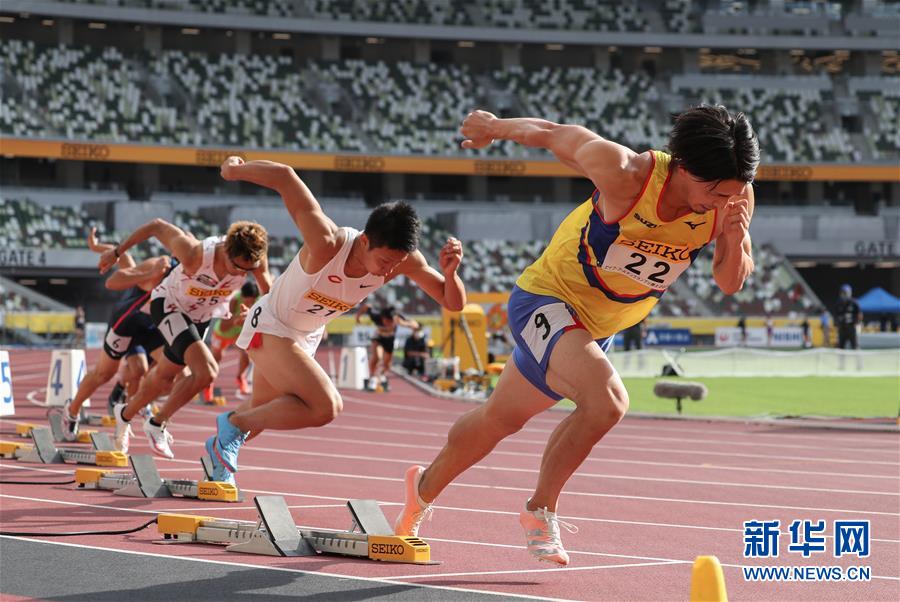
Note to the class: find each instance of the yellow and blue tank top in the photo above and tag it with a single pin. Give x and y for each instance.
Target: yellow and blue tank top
(613, 273)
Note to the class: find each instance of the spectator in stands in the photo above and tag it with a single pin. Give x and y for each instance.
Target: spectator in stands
(605, 268)
(415, 352)
(199, 289)
(336, 268)
(849, 318)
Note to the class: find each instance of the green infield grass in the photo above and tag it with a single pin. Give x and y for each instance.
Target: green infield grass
(801, 396)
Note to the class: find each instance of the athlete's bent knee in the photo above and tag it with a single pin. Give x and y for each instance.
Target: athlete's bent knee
(503, 423)
(205, 374)
(105, 373)
(605, 407)
(328, 411)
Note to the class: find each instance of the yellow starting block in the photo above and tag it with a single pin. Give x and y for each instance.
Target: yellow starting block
(44, 451)
(24, 429)
(145, 482)
(275, 534)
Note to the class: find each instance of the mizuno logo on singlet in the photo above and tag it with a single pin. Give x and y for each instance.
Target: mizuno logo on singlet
(647, 223)
(327, 301)
(693, 225)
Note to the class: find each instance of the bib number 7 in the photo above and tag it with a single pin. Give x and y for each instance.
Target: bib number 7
(171, 326)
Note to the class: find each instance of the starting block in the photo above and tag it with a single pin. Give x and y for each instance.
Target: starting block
(97, 419)
(56, 428)
(44, 451)
(275, 534)
(145, 482)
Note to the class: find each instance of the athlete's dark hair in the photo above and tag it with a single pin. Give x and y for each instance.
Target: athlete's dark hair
(249, 290)
(394, 225)
(713, 145)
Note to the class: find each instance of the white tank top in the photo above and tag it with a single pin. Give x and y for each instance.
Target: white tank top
(201, 295)
(306, 302)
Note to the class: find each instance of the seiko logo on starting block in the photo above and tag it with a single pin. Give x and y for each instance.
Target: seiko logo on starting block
(398, 549)
(388, 549)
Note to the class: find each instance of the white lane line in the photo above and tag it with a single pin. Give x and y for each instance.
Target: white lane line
(616, 434)
(338, 427)
(547, 570)
(662, 424)
(338, 576)
(508, 469)
(704, 466)
(440, 507)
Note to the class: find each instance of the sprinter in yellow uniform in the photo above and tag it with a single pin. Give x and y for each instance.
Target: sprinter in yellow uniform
(606, 267)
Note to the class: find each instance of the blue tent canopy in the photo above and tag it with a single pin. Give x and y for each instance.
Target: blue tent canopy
(879, 301)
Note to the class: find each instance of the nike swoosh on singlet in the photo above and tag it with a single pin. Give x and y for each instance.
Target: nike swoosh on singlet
(366, 285)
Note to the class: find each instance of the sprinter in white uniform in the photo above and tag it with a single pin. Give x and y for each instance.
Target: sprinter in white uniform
(181, 306)
(335, 269)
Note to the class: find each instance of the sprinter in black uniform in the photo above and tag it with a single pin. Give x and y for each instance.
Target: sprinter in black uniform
(386, 322)
(130, 332)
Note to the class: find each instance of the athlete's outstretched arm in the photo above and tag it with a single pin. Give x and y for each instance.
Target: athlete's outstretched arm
(733, 259)
(94, 244)
(594, 157)
(320, 234)
(186, 249)
(445, 286)
(146, 274)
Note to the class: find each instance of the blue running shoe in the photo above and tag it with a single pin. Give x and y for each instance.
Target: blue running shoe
(224, 448)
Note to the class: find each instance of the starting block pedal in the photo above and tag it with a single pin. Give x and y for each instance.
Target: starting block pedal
(56, 427)
(275, 534)
(145, 482)
(43, 450)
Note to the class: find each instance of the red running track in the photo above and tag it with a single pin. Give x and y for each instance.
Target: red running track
(653, 495)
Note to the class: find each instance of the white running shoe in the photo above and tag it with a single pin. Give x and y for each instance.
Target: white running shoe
(70, 423)
(123, 429)
(542, 535)
(415, 510)
(159, 439)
